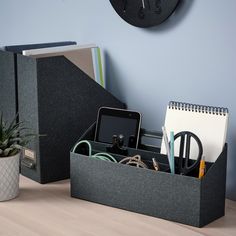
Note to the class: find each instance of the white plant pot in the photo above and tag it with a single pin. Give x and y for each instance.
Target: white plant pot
(9, 177)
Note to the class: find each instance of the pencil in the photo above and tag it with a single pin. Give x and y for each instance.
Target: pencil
(202, 168)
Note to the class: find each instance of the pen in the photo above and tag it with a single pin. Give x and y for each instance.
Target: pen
(166, 144)
(155, 164)
(202, 168)
(172, 153)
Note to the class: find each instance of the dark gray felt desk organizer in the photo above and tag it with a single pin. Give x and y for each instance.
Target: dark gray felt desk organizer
(55, 98)
(178, 198)
(7, 85)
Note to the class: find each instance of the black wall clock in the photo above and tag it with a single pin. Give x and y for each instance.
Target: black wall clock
(144, 13)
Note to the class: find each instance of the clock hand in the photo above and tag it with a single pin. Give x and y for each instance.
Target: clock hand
(141, 10)
(143, 2)
(158, 7)
(141, 14)
(125, 5)
(149, 6)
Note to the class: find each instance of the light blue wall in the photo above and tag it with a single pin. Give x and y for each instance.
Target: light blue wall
(191, 57)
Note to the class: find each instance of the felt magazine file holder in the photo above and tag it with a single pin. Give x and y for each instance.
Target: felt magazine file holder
(8, 100)
(58, 101)
(174, 197)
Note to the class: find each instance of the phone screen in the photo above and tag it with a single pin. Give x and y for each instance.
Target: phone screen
(115, 122)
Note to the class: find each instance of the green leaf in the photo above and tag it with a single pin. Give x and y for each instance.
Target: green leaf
(7, 151)
(15, 140)
(13, 131)
(16, 146)
(13, 136)
(4, 144)
(14, 152)
(1, 126)
(13, 123)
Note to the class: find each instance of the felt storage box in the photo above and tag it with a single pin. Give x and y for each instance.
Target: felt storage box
(174, 197)
(59, 100)
(8, 102)
(56, 99)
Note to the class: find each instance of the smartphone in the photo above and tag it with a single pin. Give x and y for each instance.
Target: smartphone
(113, 121)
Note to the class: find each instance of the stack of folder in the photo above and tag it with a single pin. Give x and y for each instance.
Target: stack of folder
(86, 57)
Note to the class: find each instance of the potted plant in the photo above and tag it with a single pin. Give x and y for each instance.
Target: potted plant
(11, 143)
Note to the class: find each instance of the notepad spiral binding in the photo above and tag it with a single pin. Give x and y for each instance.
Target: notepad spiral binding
(198, 108)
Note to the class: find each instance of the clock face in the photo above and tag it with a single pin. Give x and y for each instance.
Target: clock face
(144, 13)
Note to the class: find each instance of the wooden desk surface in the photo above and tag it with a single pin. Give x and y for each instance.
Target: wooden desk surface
(49, 210)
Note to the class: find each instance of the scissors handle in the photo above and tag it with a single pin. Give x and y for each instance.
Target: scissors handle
(184, 167)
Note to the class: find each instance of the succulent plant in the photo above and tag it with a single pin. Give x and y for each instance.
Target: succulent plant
(11, 137)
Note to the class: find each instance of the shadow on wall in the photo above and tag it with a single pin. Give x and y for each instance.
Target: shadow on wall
(176, 18)
(112, 73)
(231, 165)
(112, 80)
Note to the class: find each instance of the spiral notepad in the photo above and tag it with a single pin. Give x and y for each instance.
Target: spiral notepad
(207, 122)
